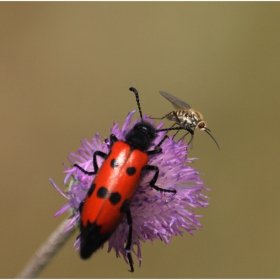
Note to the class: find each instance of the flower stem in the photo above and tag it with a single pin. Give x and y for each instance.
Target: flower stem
(45, 253)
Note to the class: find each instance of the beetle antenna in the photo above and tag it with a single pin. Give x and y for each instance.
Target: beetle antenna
(207, 131)
(137, 100)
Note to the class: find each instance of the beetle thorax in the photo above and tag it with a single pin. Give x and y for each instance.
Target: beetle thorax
(141, 136)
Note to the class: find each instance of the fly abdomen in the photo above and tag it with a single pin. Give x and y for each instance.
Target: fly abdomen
(173, 116)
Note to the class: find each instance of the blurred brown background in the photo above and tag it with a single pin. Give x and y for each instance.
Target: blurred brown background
(65, 73)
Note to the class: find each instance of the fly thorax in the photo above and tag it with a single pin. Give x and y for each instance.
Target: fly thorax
(189, 120)
(183, 118)
(195, 117)
(198, 115)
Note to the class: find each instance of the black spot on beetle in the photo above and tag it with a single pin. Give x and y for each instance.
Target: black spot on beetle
(115, 198)
(102, 192)
(90, 190)
(130, 171)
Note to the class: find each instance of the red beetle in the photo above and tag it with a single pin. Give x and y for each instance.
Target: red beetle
(115, 184)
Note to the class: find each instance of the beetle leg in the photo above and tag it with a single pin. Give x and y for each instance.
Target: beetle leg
(113, 139)
(153, 181)
(94, 161)
(129, 240)
(157, 149)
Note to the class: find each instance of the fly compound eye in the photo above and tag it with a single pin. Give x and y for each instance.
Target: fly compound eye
(201, 125)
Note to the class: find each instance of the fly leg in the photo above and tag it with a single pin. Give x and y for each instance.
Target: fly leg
(177, 122)
(177, 130)
(186, 126)
(161, 118)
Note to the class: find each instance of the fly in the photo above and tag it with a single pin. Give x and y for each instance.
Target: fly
(185, 117)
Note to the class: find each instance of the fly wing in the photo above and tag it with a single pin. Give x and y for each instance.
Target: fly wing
(176, 102)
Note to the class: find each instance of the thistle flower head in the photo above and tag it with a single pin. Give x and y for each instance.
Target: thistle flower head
(156, 215)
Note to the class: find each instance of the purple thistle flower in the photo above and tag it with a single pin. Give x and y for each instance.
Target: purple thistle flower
(155, 215)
